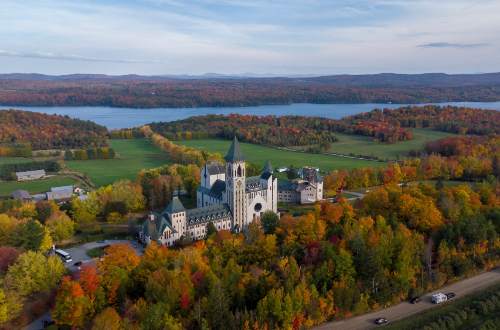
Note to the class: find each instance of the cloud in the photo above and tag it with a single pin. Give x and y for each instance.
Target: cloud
(68, 57)
(452, 45)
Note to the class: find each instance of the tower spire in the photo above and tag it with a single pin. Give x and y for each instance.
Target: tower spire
(234, 153)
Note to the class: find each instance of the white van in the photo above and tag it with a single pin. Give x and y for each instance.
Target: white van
(438, 298)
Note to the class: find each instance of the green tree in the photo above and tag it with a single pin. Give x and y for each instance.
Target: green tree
(108, 319)
(32, 235)
(61, 227)
(33, 272)
(269, 221)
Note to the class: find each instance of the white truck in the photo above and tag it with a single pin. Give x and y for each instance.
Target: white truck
(438, 298)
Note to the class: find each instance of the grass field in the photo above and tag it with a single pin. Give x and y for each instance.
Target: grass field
(363, 145)
(14, 160)
(37, 186)
(132, 156)
(260, 154)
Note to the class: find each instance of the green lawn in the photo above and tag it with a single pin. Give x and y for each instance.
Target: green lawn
(132, 156)
(14, 160)
(37, 186)
(363, 145)
(260, 154)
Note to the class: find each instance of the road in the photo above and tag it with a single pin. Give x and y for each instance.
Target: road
(406, 309)
(79, 253)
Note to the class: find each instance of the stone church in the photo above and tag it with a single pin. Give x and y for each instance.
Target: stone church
(227, 198)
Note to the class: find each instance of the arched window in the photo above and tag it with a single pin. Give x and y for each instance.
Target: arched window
(239, 170)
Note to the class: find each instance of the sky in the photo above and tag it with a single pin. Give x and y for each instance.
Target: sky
(278, 37)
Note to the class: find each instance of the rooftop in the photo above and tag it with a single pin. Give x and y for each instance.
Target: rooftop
(234, 154)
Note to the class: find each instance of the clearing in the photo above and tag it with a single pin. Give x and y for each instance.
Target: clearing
(281, 158)
(36, 186)
(363, 145)
(131, 156)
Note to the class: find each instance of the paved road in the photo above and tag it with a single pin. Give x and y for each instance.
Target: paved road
(406, 309)
(79, 253)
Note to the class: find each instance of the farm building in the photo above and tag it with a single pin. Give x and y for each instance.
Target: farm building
(21, 195)
(30, 175)
(60, 193)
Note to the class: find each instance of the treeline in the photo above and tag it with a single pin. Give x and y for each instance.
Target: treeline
(178, 153)
(277, 131)
(157, 92)
(8, 171)
(460, 120)
(126, 133)
(475, 158)
(15, 150)
(44, 131)
(90, 153)
(292, 272)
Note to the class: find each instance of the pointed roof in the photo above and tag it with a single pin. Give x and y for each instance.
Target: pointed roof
(268, 168)
(234, 154)
(175, 206)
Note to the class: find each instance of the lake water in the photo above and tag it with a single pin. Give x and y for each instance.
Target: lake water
(130, 117)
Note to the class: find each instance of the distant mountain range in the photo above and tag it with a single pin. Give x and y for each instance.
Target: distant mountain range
(218, 90)
(369, 80)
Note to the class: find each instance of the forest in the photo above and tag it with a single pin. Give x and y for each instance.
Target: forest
(460, 120)
(150, 92)
(42, 131)
(277, 131)
(385, 125)
(291, 272)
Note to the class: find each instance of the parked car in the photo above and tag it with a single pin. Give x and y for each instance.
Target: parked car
(415, 300)
(77, 264)
(450, 295)
(438, 298)
(381, 320)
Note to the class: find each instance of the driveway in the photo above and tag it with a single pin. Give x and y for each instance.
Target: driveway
(406, 309)
(79, 253)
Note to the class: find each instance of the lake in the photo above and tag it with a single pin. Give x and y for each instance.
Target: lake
(130, 117)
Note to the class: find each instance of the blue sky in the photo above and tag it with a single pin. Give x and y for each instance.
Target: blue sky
(240, 36)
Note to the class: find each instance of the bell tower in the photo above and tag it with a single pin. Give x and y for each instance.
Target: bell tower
(235, 185)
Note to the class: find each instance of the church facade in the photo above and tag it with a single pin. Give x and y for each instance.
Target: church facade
(227, 198)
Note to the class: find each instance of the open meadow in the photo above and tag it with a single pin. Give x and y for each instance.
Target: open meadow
(131, 156)
(36, 186)
(363, 145)
(260, 154)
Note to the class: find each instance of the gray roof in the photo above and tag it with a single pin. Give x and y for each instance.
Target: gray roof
(253, 183)
(29, 173)
(207, 214)
(215, 168)
(175, 206)
(268, 168)
(62, 189)
(21, 194)
(155, 228)
(287, 185)
(234, 154)
(216, 190)
(310, 174)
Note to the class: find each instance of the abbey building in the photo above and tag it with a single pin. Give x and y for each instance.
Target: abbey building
(227, 198)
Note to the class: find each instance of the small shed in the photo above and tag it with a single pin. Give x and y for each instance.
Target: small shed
(21, 195)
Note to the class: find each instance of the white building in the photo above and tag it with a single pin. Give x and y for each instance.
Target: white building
(307, 189)
(30, 175)
(227, 198)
